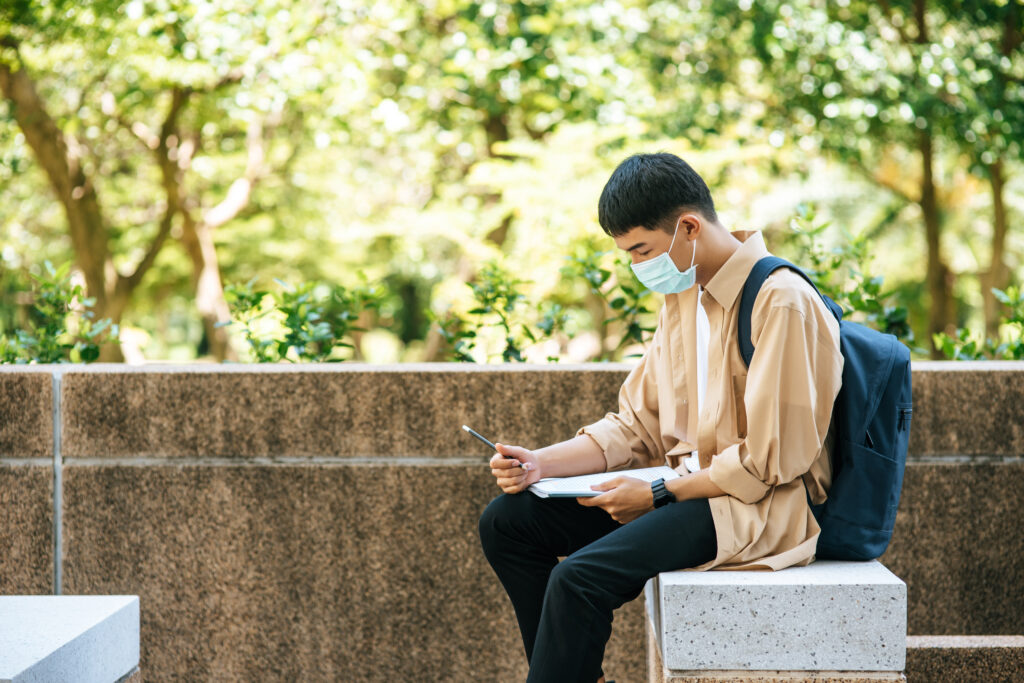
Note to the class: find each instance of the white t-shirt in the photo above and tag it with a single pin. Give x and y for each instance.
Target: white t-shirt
(703, 339)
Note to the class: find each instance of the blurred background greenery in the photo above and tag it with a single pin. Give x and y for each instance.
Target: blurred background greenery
(411, 181)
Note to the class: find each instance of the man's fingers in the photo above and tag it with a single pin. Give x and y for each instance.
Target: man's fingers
(608, 485)
(516, 475)
(498, 462)
(512, 485)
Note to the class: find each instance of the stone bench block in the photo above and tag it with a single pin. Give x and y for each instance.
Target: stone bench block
(81, 638)
(829, 616)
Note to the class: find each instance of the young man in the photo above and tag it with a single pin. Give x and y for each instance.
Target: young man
(756, 438)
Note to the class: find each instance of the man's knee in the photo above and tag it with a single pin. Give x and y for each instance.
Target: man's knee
(509, 515)
(570, 576)
(496, 518)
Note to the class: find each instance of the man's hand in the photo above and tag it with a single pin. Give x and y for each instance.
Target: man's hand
(626, 499)
(512, 478)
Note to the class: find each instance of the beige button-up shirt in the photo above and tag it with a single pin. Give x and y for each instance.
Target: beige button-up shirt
(762, 431)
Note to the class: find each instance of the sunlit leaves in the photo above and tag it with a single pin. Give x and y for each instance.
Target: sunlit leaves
(62, 327)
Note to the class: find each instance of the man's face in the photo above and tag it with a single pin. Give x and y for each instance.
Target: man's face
(642, 244)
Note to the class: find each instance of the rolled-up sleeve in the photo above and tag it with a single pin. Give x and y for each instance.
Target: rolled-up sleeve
(791, 385)
(627, 437)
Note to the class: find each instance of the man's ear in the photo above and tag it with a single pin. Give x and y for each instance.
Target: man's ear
(691, 224)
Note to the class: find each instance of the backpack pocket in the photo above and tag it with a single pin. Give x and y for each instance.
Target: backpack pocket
(868, 491)
(904, 411)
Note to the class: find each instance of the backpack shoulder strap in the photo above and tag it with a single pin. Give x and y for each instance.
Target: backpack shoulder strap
(758, 274)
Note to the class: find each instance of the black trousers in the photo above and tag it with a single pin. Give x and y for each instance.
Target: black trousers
(565, 608)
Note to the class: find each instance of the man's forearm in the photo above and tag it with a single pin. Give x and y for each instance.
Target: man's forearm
(578, 455)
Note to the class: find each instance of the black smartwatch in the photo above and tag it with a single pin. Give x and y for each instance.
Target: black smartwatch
(662, 496)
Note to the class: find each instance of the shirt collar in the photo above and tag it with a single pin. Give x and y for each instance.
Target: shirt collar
(725, 286)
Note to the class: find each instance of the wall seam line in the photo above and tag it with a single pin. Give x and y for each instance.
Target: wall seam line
(58, 490)
(263, 461)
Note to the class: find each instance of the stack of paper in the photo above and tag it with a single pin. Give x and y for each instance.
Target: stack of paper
(579, 487)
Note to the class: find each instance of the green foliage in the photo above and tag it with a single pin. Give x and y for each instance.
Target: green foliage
(500, 305)
(62, 328)
(841, 273)
(309, 322)
(417, 141)
(499, 301)
(965, 345)
(1013, 321)
(497, 295)
(621, 294)
(458, 334)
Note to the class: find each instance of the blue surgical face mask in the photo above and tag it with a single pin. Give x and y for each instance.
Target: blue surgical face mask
(660, 274)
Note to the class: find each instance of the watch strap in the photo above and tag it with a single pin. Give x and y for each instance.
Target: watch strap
(662, 496)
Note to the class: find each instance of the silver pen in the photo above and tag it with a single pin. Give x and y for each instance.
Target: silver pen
(473, 433)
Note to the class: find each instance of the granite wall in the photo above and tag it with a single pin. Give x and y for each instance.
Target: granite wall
(26, 482)
(319, 522)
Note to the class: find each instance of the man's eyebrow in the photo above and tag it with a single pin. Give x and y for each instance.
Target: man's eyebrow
(636, 246)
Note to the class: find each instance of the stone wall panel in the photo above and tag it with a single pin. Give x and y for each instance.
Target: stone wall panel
(967, 409)
(959, 547)
(368, 572)
(26, 413)
(26, 529)
(350, 411)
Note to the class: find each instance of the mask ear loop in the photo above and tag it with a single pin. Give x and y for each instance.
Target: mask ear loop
(693, 257)
(674, 233)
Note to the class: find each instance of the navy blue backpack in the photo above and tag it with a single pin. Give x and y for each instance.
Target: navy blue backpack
(872, 418)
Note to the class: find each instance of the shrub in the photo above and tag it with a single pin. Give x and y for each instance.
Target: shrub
(308, 322)
(62, 327)
(964, 345)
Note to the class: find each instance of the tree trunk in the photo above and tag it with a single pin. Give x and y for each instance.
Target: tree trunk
(174, 158)
(116, 305)
(64, 171)
(997, 275)
(939, 277)
(197, 238)
(496, 129)
(60, 158)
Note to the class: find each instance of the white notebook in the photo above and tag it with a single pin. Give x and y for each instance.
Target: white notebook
(579, 487)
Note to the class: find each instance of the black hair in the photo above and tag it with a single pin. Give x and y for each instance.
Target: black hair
(652, 190)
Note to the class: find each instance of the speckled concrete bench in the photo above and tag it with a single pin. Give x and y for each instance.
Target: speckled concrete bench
(835, 621)
(81, 638)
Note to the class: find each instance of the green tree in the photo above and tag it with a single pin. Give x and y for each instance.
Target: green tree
(156, 119)
(883, 87)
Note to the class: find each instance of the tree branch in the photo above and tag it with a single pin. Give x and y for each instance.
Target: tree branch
(241, 190)
(922, 24)
(887, 8)
(83, 94)
(169, 173)
(128, 283)
(859, 166)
